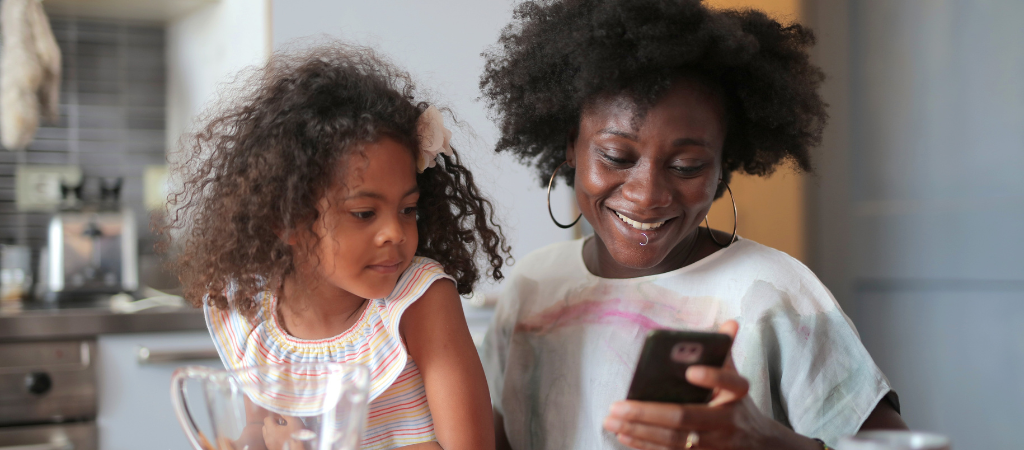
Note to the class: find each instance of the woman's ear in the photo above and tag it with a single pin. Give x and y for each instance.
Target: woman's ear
(570, 147)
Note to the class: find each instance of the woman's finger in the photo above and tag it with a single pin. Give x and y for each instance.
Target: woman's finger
(717, 378)
(731, 328)
(644, 432)
(665, 415)
(640, 444)
(729, 386)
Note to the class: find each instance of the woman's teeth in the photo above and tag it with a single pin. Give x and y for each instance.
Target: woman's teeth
(640, 225)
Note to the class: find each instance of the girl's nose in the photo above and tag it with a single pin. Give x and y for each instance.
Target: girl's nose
(391, 231)
(646, 187)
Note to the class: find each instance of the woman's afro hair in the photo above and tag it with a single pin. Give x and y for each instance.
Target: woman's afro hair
(556, 56)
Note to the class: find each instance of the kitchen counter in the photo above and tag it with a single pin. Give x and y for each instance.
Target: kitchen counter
(39, 320)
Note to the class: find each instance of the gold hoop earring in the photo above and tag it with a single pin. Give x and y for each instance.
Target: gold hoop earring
(552, 214)
(735, 221)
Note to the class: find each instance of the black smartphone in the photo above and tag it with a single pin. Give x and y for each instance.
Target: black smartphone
(660, 374)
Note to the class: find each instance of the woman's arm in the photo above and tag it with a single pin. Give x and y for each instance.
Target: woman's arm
(437, 337)
(500, 437)
(884, 417)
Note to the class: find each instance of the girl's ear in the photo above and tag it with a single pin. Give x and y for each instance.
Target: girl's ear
(287, 236)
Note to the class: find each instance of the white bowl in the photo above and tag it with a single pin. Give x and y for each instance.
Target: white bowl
(894, 440)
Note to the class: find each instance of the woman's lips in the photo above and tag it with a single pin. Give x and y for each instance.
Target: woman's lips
(640, 225)
(629, 234)
(643, 226)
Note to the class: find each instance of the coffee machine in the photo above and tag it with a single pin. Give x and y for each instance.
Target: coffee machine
(92, 247)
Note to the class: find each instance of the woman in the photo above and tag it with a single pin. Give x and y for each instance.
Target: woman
(647, 107)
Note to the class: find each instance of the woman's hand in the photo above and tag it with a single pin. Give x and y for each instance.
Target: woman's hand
(729, 421)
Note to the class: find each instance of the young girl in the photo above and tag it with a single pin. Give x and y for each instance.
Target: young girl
(325, 217)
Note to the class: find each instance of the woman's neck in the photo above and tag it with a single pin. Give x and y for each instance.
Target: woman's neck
(310, 309)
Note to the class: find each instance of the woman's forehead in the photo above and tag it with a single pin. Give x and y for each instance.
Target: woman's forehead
(687, 106)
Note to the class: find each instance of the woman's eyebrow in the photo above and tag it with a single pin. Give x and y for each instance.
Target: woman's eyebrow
(616, 132)
(681, 142)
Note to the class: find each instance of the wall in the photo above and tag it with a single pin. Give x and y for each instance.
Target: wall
(919, 200)
(771, 209)
(111, 120)
(207, 48)
(440, 43)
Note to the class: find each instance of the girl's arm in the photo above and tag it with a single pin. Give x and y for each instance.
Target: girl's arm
(435, 333)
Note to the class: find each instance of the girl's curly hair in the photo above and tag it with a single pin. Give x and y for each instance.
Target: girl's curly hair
(558, 55)
(263, 160)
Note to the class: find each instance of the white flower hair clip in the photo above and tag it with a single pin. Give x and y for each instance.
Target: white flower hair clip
(434, 138)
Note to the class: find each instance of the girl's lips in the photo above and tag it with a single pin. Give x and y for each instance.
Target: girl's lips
(385, 268)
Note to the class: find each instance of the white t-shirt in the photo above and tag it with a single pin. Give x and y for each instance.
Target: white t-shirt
(564, 342)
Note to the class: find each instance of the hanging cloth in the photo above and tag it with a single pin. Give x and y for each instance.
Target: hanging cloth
(29, 72)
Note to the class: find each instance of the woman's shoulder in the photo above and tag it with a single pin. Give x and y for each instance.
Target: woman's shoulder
(558, 259)
(759, 254)
(764, 259)
(769, 273)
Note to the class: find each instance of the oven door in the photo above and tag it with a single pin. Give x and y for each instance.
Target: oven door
(67, 436)
(47, 382)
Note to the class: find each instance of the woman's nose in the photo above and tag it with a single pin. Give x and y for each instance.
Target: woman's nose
(391, 231)
(646, 187)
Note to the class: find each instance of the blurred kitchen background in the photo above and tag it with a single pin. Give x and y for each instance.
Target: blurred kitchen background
(910, 217)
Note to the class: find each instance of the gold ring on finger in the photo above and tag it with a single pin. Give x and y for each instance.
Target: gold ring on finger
(692, 440)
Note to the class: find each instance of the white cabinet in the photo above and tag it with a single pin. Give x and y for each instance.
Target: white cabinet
(134, 397)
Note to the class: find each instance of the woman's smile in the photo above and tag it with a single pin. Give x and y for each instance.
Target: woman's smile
(647, 233)
(640, 224)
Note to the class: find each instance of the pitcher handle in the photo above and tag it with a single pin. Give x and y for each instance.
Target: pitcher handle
(184, 415)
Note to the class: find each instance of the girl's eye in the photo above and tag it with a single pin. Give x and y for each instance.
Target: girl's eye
(411, 210)
(362, 214)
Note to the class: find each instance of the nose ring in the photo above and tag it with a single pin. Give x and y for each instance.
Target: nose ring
(646, 239)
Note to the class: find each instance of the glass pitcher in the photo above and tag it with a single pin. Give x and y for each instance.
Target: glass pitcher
(319, 406)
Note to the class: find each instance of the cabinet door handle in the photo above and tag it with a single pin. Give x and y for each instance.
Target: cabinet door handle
(147, 356)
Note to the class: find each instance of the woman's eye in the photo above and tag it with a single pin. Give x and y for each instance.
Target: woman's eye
(688, 170)
(362, 214)
(613, 159)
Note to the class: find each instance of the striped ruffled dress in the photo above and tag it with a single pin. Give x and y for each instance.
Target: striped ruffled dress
(398, 411)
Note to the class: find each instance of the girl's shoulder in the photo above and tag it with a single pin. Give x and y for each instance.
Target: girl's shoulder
(413, 283)
(374, 340)
(417, 277)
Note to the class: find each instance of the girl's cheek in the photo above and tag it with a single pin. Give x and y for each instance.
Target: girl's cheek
(414, 237)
